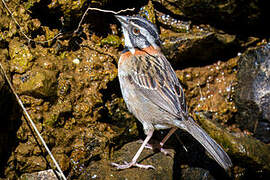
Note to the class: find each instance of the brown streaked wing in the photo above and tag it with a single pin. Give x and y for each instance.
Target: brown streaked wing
(156, 79)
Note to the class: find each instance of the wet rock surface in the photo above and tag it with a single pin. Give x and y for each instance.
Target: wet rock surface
(42, 175)
(104, 170)
(69, 87)
(37, 83)
(21, 57)
(180, 46)
(253, 92)
(233, 15)
(196, 173)
(249, 152)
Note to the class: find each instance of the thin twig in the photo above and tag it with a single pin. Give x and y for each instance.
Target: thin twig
(21, 30)
(33, 124)
(102, 10)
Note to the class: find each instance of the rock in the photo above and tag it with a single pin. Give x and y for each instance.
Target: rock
(232, 14)
(37, 83)
(21, 57)
(58, 113)
(148, 12)
(211, 89)
(196, 174)
(53, 103)
(24, 149)
(103, 170)
(41, 175)
(196, 46)
(173, 24)
(253, 91)
(31, 164)
(63, 161)
(245, 151)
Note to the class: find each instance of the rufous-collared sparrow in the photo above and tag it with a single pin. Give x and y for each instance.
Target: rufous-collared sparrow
(152, 91)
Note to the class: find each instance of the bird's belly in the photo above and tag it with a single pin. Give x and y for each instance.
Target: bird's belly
(143, 109)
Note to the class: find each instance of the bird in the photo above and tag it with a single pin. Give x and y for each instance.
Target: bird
(152, 91)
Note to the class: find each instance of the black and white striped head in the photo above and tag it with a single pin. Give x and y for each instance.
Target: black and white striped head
(139, 33)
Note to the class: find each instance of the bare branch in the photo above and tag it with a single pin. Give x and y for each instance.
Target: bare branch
(102, 10)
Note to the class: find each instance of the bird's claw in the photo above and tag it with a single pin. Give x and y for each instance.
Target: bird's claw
(166, 152)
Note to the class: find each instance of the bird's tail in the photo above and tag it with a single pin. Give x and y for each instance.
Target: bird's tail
(208, 143)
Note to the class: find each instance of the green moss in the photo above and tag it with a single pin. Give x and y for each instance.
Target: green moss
(148, 12)
(111, 40)
(21, 57)
(30, 3)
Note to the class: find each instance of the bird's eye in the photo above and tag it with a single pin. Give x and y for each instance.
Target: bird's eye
(136, 31)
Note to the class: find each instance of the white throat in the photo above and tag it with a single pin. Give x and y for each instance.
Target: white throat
(128, 43)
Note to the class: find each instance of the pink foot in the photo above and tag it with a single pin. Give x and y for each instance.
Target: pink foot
(128, 165)
(157, 146)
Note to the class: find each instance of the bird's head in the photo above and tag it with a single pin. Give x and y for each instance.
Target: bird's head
(139, 33)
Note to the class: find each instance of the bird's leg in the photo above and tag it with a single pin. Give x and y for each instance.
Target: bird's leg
(167, 137)
(135, 158)
(164, 140)
(147, 146)
(161, 144)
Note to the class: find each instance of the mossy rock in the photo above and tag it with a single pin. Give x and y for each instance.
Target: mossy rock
(37, 83)
(20, 56)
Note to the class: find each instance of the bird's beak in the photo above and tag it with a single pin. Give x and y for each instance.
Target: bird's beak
(123, 20)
